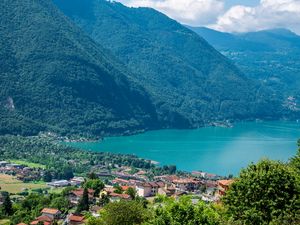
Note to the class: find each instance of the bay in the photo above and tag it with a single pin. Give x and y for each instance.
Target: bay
(215, 150)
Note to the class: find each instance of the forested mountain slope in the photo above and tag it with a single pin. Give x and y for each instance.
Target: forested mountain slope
(271, 56)
(54, 77)
(190, 82)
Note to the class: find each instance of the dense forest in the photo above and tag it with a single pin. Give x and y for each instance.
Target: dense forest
(190, 82)
(60, 158)
(270, 56)
(54, 77)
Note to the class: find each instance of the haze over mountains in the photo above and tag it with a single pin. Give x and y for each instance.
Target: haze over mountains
(109, 69)
(271, 56)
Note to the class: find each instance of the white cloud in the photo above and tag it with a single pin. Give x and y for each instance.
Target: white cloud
(268, 14)
(192, 12)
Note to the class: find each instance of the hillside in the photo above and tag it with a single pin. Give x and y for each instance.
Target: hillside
(54, 77)
(190, 82)
(271, 56)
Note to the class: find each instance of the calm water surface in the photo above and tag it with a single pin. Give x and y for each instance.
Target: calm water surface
(213, 149)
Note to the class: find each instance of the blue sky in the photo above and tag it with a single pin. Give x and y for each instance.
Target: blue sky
(230, 3)
(229, 15)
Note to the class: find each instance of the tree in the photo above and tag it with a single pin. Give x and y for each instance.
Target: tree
(172, 212)
(104, 200)
(96, 184)
(118, 189)
(84, 202)
(131, 192)
(47, 176)
(92, 176)
(7, 204)
(124, 213)
(295, 161)
(265, 193)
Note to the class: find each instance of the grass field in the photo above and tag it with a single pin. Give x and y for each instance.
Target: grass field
(12, 185)
(29, 164)
(4, 222)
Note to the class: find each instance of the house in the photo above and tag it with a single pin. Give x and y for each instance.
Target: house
(223, 186)
(42, 219)
(48, 216)
(120, 181)
(52, 213)
(166, 178)
(75, 219)
(3, 163)
(166, 191)
(149, 189)
(186, 184)
(59, 183)
(76, 195)
(77, 181)
(114, 197)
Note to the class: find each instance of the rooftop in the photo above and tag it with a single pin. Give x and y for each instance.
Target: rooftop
(50, 211)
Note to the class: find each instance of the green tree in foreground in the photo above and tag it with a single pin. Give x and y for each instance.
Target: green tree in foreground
(265, 193)
(184, 212)
(122, 213)
(295, 161)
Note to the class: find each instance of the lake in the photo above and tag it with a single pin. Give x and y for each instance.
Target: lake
(216, 150)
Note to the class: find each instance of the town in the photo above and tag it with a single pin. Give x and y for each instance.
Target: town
(102, 186)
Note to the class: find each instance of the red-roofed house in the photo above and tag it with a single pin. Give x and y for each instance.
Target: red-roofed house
(114, 197)
(76, 195)
(51, 213)
(223, 186)
(75, 219)
(187, 184)
(149, 189)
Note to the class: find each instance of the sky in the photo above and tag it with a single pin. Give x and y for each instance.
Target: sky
(229, 15)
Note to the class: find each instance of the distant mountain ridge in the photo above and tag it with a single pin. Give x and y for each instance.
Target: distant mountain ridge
(190, 82)
(97, 68)
(269, 55)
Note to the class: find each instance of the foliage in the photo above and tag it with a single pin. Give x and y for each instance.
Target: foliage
(124, 213)
(131, 192)
(295, 161)
(55, 78)
(190, 83)
(29, 208)
(270, 56)
(60, 160)
(184, 212)
(84, 203)
(96, 184)
(265, 193)
(7, 204)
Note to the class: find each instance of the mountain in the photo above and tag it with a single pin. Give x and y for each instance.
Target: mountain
(55, 78)
(271, 56)
(190, 83)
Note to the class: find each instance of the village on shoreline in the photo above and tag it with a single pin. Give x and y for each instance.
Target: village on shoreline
(123, 183)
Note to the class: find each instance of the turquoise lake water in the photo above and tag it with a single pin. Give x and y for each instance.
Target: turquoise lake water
(216, 150)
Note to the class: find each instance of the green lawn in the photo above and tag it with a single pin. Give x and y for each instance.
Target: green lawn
(29, 164)
(12, 185)
(4, 222)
